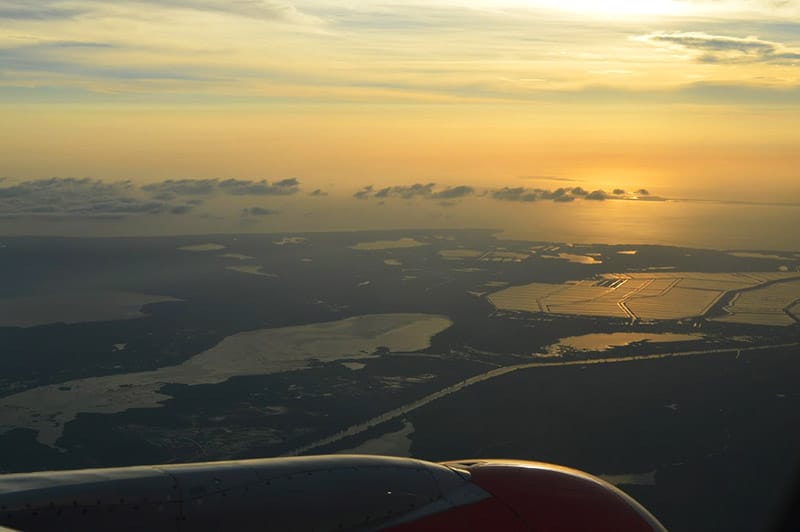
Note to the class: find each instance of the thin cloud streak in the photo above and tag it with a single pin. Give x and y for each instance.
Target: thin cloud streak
(726, 49)
(435, 51)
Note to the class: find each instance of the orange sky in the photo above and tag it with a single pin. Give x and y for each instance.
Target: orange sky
(693, 99)
(682, 149)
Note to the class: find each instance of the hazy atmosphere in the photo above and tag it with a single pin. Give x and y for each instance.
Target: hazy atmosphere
(562, 231)
(154, 106)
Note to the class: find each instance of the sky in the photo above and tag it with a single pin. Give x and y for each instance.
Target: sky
(103, 102)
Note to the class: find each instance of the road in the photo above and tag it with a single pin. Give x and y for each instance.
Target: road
(499, 372)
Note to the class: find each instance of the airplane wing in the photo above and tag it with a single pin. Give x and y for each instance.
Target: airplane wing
(322, 493)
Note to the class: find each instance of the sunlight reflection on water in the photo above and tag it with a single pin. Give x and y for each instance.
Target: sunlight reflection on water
(703, 225)
(606, 341)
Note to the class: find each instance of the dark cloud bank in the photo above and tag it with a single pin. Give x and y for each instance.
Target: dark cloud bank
(429, 191)
(70, 198)
(76, 198)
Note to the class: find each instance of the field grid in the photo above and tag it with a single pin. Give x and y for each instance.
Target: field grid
(769, 298)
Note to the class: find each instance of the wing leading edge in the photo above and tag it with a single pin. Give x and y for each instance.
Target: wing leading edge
(319, 493)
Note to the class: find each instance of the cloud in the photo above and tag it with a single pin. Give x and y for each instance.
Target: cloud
(725, 49)
(239, 187)
(182, 187)
(407, 192)
(64, 198)
(522, 194)
(565, 195)
(36, 10)
(257, 9)
(318, 193)
(559, 194)
(259, 212)
(515, 194)
(426, 191)
(187, 62)
(364, 193)
(383, 193)
(84, 198)
(71, 197)
(181, 209)
(597, 195)
(35, 55)
(549, 178)
(172, 188)
(67, 187)
(275, 10)
(461, 191)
